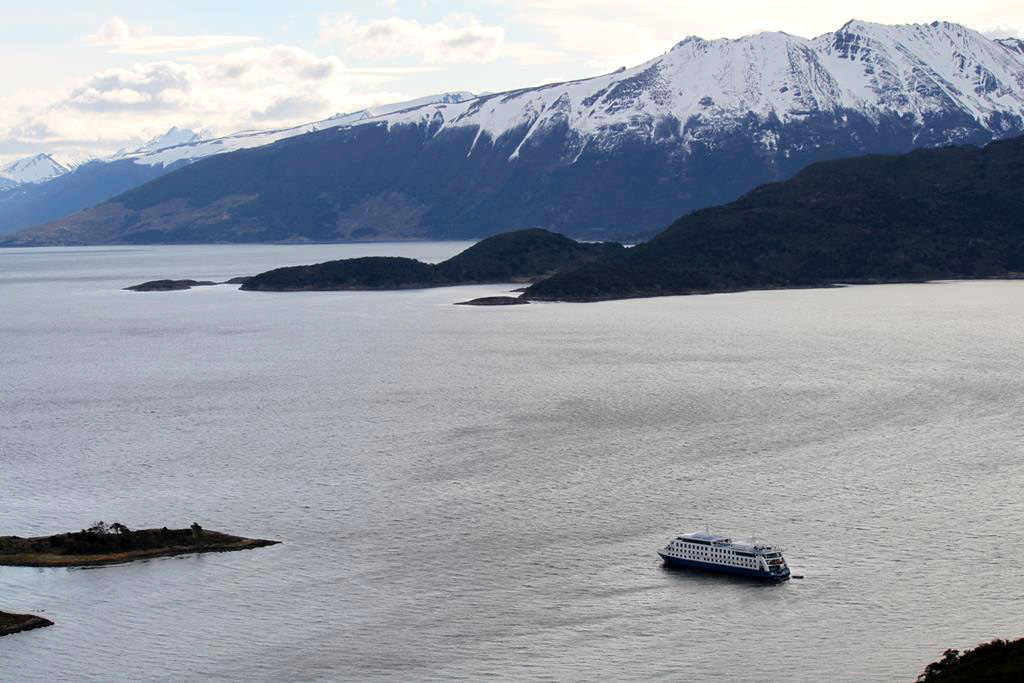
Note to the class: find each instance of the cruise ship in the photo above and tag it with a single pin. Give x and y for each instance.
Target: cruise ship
(703, 550)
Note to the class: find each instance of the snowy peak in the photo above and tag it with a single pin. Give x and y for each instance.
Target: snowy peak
(174, 137)
(925, 69)
(194, 146)
(72, 159)
(384, 109)
(939, 75)
(1015, 45)
(36, 169)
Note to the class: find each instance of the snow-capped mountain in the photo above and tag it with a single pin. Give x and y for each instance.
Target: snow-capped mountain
(35, 169)
(192, 146)
(174, 137)
(612, 156)
(95, 180)
(72, 159)
(185, 144)
(917, 74)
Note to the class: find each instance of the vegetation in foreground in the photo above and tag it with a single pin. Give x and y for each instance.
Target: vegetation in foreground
(1000, 661)
(15, 623)
(932, 214)
(114, 543)
(521, 256)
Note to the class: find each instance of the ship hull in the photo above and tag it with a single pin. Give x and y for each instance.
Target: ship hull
(724, 569)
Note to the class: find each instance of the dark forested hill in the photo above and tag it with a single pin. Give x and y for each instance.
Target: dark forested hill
(511, 257)
(944, 213)
(27, 205)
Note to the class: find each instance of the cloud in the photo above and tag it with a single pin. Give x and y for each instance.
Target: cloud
(1003, 31)
(140, 87)
(251, 87)
(271, 62)
(533, 53)
(115, 31)
(291, 107)
(116, 35)
(455, 39)
(606, 33)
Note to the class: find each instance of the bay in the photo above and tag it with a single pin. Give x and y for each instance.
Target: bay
(465, 493)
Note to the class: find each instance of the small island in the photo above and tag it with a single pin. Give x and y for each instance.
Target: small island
(178, 285)
(15, 623)
(115, 543)
(169, 285)
(494, 301)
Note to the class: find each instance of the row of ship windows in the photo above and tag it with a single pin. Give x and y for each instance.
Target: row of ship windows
(705, 556)
(729, 552)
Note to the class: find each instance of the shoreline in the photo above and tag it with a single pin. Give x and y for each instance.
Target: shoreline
(36, 556)
(837, 284)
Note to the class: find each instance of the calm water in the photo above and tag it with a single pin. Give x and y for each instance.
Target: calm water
(465, 492)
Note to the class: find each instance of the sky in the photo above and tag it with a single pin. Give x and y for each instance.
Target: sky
(85, 78)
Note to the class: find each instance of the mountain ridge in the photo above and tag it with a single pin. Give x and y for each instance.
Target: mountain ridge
(597, 158)
(22, 205)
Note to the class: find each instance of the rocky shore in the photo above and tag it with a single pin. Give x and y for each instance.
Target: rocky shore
(494, 301)
(15, 623)
(117, 544)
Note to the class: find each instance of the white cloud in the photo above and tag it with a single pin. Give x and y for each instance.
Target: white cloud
(253, 87)
(116, 35)
(612, 31)
(533, 53)
(1003, 31)
(455, 39)
(262, 63)
(291, 107)
(603, 34)
(114, 32)
(160, 85)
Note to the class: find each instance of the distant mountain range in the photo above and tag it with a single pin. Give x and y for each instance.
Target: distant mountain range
(614, 156)
(27, 203)
(31, 170)
(41, 168)
(956, 212)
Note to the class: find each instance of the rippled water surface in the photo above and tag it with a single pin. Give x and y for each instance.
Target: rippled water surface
(466, 492)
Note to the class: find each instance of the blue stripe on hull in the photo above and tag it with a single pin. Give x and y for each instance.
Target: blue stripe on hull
(710, 567)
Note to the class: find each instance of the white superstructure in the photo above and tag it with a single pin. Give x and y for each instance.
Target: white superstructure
(704, 550)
